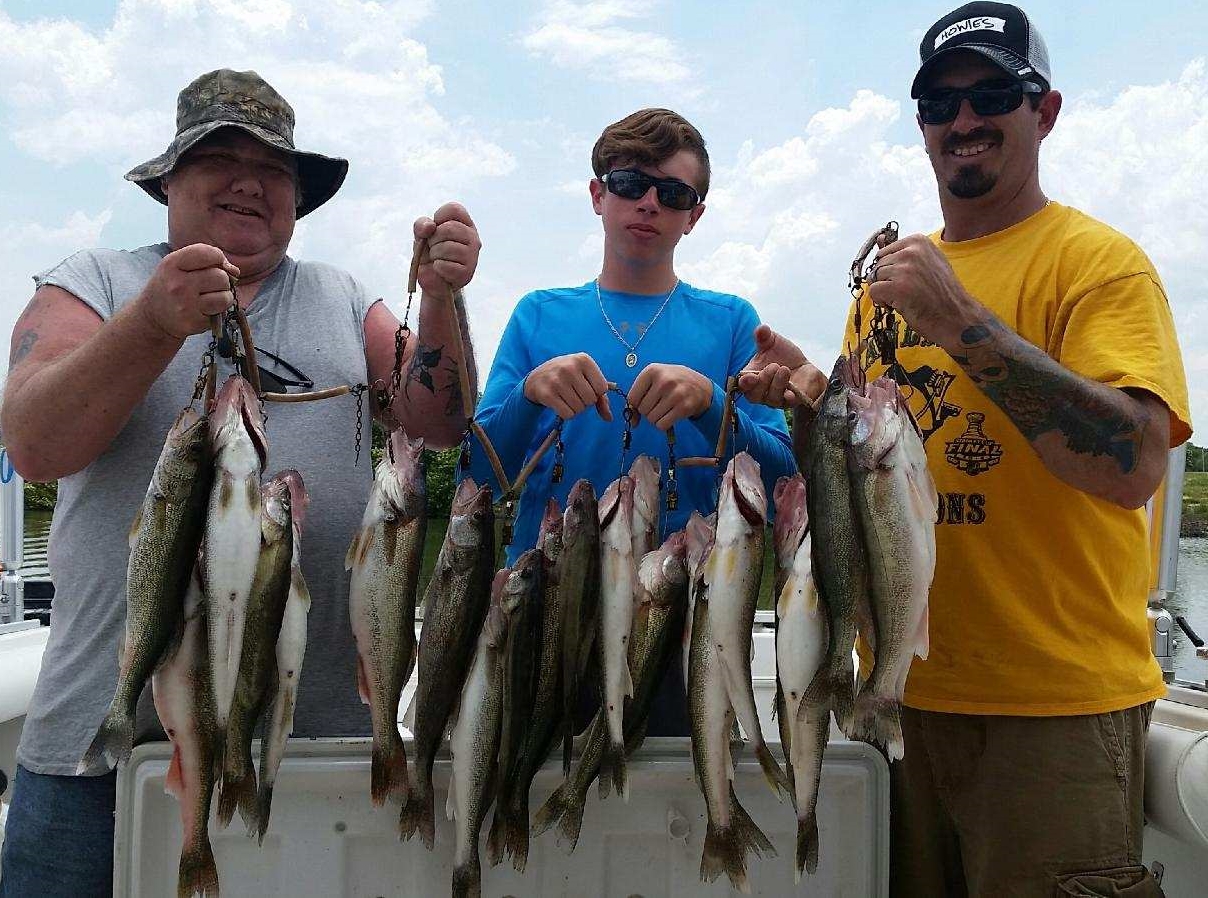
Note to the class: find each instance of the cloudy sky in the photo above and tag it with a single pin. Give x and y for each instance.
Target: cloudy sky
(805, 107)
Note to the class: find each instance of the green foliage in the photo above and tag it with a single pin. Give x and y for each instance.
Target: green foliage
(41, 495)
(1197, 458)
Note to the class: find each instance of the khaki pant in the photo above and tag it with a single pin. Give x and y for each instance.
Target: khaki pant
(997, 807)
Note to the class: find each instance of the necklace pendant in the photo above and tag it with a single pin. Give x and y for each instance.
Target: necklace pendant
(631, 360)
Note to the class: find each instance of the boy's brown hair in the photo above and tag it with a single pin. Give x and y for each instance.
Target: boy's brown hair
(647, 137)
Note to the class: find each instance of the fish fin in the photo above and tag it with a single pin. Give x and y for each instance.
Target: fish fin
(409, 714)
(451, 800)
(264, 805)
(613, 772)
(878, 719)
(197, 874)
(137, 524)
(111, 745)
(772, 772)
(922, 637)
(362, 681)
(497, 837)
(806, 857)
(518, 835)
(238, 791)
(419, 815)
(467, 879)
(174, 782)
(388, 771)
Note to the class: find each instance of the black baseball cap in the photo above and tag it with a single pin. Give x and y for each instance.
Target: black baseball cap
(1000, 32)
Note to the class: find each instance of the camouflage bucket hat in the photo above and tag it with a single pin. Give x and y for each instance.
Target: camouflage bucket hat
(229, 99)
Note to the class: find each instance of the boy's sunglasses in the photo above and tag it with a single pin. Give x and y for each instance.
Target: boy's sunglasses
(270, 381)
(633, 185)
(938, 107)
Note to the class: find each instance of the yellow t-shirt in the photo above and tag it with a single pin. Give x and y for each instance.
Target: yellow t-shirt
(1038, 602)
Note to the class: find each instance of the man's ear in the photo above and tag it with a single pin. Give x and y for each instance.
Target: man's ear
(596, 187)
(694, 217)
(1050, 108)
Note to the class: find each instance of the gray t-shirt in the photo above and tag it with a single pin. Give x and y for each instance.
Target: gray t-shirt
(312, 315)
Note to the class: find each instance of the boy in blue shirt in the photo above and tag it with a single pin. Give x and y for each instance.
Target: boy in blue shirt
(668, 345)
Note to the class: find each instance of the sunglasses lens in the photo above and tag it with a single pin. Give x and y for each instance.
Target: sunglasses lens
(942, 106)
(269, 382)
(680, 197)
(997, 101)
(629, 185)
(937, 109)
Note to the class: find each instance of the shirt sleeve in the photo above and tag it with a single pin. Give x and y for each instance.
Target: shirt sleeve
(507, 416)
(758, 429)
(83, 276)
(1121, 333)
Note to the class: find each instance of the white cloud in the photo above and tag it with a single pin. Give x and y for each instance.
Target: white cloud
(585, 36)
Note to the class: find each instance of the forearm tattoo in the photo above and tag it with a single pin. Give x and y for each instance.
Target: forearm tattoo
(1039, 395)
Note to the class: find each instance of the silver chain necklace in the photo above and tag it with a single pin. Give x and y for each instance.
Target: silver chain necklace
(631, 359)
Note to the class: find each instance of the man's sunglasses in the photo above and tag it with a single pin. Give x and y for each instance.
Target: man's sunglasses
(938, 107)
(271, 381)
(633, 185)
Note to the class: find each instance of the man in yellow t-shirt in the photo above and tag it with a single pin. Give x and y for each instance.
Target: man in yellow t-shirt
(1043, 369)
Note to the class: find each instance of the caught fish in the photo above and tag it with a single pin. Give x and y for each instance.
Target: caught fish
(255, 684)
(840, 566)
(231, 548)
(579, 594)
(455, 604)
(181, 687)
(657, 626)
(163, 550)
(698, 535)
(733, 571)
(546, 716)
(645, 472)
(800, 647)
(895, 498)
(385, 558)
(474, 743)
(522, 603)
(618, 590)
(731, 833)
(291, 649)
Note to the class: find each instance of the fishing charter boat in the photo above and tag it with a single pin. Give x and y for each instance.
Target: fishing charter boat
(327, 839)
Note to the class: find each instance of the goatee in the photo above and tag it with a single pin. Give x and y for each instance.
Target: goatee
(971, 182)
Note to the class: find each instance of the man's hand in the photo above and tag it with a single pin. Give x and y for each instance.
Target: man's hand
(568, 384)
(664, 394)
(913, 277)
(452, 251)
(784, 375)
(186, 288)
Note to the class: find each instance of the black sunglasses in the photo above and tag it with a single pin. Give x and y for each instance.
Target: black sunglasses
(633, 185)
(938, 107)
(270, 381)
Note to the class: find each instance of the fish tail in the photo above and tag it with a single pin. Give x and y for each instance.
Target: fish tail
(198, 873)
(833, 687)
(878, 718)
(726, 848)
(388, 771)
(238, 790)
(418, 815)
(518, 836)
(111, 745)
(613, 771)
(496, 838)
(807, 846)
(264, 804)
(467, 879)
(773, 773)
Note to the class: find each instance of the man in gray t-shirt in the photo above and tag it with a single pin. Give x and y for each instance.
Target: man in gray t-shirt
(104, 357)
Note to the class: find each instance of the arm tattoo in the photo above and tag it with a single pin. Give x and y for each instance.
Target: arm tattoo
(25, 346)
(1039, 395)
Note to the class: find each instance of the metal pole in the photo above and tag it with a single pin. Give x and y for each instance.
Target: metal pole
(12, 545)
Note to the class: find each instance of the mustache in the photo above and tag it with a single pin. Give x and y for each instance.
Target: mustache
(952, 141)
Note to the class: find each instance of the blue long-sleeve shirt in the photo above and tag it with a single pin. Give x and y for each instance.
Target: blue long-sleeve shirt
(712, 333)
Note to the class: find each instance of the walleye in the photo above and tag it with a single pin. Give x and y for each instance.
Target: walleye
(231, 548)
(730, 833)
(800, 647)
(163, 550)
(733, 571)
(385, 558)
(474, 743)
(645, 473)
(657, 626)
(618, 589)
(181, 686)
(455, 604)
(258, 662)
(579, 595)
(895, 498)
(291, 648)
(840, 567)
(521, 600)
(546, 716)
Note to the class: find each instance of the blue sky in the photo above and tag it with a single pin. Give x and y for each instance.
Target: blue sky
(805, 108)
